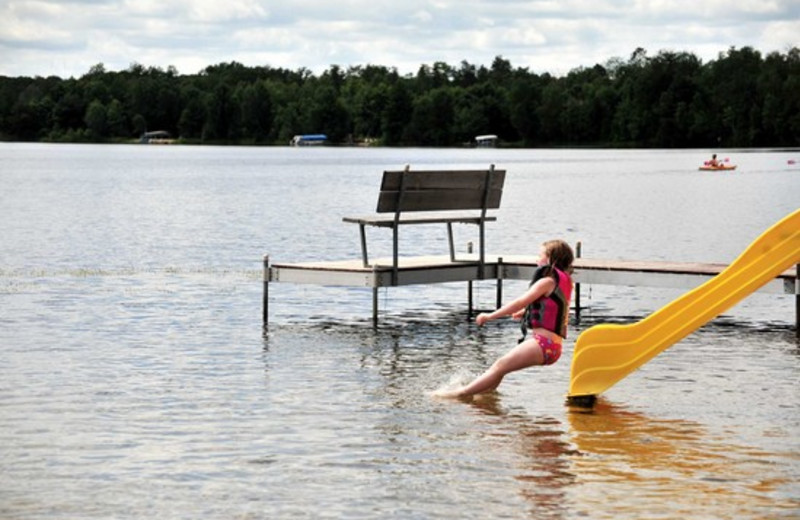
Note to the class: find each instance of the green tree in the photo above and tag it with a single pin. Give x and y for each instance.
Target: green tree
(327, 114)
(116, 119)
(256, 110)
(221, 115)
(432, 119)
(396, 115)
(481, 109)
(69, 110)
(525, 96)
(364, 94)
(139, 124)
(286, 97)
(96, 119)
(734, 87)
(549, 112)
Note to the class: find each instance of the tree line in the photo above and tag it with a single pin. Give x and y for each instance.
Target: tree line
(672, 99)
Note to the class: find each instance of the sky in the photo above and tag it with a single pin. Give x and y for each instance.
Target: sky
(67, 37)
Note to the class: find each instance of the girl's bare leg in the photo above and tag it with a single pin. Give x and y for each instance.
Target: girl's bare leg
(524, 355)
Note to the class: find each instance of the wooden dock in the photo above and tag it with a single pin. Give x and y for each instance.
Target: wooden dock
(442, 269)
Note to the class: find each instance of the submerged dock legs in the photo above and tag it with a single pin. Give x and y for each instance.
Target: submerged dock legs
(430, 270)
(265, 302)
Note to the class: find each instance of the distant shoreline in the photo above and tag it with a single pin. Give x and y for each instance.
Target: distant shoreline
(670, 100)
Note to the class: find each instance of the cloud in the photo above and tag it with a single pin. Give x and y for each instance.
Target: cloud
(43, 37)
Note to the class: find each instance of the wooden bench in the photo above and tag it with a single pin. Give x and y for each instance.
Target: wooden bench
(434, 197)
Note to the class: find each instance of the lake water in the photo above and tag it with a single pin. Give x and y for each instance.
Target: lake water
(135, 381)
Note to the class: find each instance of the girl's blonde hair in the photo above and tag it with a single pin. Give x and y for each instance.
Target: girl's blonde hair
(560, 255)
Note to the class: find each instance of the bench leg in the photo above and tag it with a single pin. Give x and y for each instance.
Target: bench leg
(364, 257)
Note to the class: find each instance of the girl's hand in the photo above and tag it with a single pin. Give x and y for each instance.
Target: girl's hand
(519, 314)
(481, 319)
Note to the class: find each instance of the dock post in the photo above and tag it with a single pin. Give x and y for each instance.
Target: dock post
(470, 309)
(500, 273)
(578, 286)
(375, 295)
(265, 303)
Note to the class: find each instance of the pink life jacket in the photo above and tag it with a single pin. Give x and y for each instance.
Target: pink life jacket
(550, 312)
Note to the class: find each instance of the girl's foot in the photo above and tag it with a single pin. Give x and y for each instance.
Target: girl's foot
(447, 393)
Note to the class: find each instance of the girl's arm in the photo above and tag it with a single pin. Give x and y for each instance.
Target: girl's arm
(542, 287)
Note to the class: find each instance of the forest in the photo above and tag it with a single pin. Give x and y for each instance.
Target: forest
(669, 100)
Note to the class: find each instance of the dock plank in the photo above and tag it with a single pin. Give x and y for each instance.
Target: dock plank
(440, 269)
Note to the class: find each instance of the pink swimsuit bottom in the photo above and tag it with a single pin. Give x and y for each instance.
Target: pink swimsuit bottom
(551, 350)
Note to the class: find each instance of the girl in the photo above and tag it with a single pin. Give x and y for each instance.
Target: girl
(543, 308)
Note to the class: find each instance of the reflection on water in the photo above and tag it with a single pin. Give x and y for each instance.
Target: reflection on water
(675, 466)
(610, 462)
(543, 463)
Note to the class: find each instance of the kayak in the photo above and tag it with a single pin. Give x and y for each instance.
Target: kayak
(721, 167)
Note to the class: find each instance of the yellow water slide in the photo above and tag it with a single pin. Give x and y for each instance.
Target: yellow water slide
(606, 353)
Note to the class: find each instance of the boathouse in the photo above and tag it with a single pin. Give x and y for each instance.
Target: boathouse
(486, 141)
(156, 137)
(309, 140)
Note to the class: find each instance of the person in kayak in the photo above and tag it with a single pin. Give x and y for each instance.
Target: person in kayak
(714, 163)
(543, 308)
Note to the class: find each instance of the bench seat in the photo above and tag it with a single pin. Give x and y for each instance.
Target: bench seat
(461, 217)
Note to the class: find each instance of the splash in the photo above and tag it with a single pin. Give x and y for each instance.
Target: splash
(459, 379)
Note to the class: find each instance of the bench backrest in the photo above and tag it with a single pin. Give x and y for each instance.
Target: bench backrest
(440, 190)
